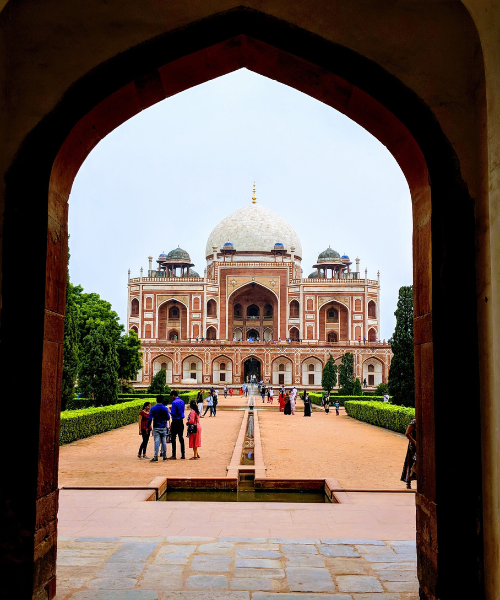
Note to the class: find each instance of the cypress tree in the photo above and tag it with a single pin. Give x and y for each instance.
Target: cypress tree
(402, 370)
(346, 374)
(329, 377)
(357, 390)
(159, 384)
(98, 374)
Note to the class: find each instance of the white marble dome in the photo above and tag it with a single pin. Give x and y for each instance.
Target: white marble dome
(254, 228)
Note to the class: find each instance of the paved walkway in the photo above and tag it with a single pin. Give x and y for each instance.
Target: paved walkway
(236, 568)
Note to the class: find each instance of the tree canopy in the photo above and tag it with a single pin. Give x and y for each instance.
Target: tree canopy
(402, 370)
(159, 384)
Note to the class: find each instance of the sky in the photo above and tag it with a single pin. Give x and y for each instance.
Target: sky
(167, 176)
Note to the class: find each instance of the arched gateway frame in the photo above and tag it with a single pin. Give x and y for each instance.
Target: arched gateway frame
(443, 228)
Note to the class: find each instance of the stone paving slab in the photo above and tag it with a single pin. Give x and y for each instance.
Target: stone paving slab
(197, 568)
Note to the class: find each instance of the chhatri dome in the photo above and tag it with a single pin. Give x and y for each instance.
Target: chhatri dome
(254, 229)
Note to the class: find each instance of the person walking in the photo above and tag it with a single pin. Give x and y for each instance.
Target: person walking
(143, 429)
(292, 403)
(247, 389)
(287, 410)
(225, 391)
(215, 402)
(337, 407)
(199, 402)
(157, 420)
(263, 392)
(326, 403)
(409, 473)
(177, 424)
(307, 405)
(231, 392)
(210, 406)
(194, 429)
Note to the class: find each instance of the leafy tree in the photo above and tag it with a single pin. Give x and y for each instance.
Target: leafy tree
(70, 354)
(329, 377)
(401, 372)
(94, 310)
(346, 374)
(357, 390)
(98, 375)
(129, 357)
(159, 384)
(381, 389)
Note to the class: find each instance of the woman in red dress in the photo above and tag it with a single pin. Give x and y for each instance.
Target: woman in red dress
(194, 438)
(282, 399)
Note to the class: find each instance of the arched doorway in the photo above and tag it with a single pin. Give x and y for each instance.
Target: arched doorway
(354, 81)
(253, 334)
(333, 337)
(211, 333)
(294, 334)
(252, 369)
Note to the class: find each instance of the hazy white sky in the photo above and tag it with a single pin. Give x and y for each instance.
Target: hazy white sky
(170, 174)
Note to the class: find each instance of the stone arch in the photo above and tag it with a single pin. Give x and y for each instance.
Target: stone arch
(149, 303)
(134, 328)
(211, 333)
(196, 303)
(190, 374)
(172, 314)
(373, 371)
(332, 337)
(357, 333)
(222, 370)
(357, 305)
(312, 376)
(116, 88)
(158, 362)
(196, 330)
(294, 309)
(211, 308)
(334, 317)
(372, 309)
(173, 335)
(148, 331)
(294, 334)
(310, 304)
(238, 333)
(310, 332)
(282, 371)
(134, 307)
(372, 334)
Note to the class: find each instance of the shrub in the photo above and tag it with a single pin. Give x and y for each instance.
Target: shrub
(381, 389)
(396, 418)
(316, 398)
(357, 390)
(79, 424)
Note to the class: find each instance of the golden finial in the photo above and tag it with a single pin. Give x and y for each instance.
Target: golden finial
(254, 197)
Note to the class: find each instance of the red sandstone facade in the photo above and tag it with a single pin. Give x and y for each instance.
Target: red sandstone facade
(253, 313)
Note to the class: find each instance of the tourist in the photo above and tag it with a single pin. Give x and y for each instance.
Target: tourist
(307, 405)
(177, 424)
(215, 398)
(194, 429)
(231, 392)
(386, 397)
(210, 405)
(247, 389)
(225, 391)
(199, 402)
(410, 467)
(364, 382)
(281, 398)
(270, 395)
(292, 403)
(263, 392)
(337, 406)
(143, 429)
(157, 420)
(326, 403)
(288, 409)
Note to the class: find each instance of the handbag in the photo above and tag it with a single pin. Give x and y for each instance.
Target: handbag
(192, 427)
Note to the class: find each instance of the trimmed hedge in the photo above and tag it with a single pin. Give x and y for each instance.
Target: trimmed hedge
(316, 398)
(79, 424)
(389, 416)
(81, 403)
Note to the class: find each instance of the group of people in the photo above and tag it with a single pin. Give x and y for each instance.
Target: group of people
(168, 425)
(326, 402)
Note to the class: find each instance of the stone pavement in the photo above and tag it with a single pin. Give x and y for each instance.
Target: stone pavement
(235, 568)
